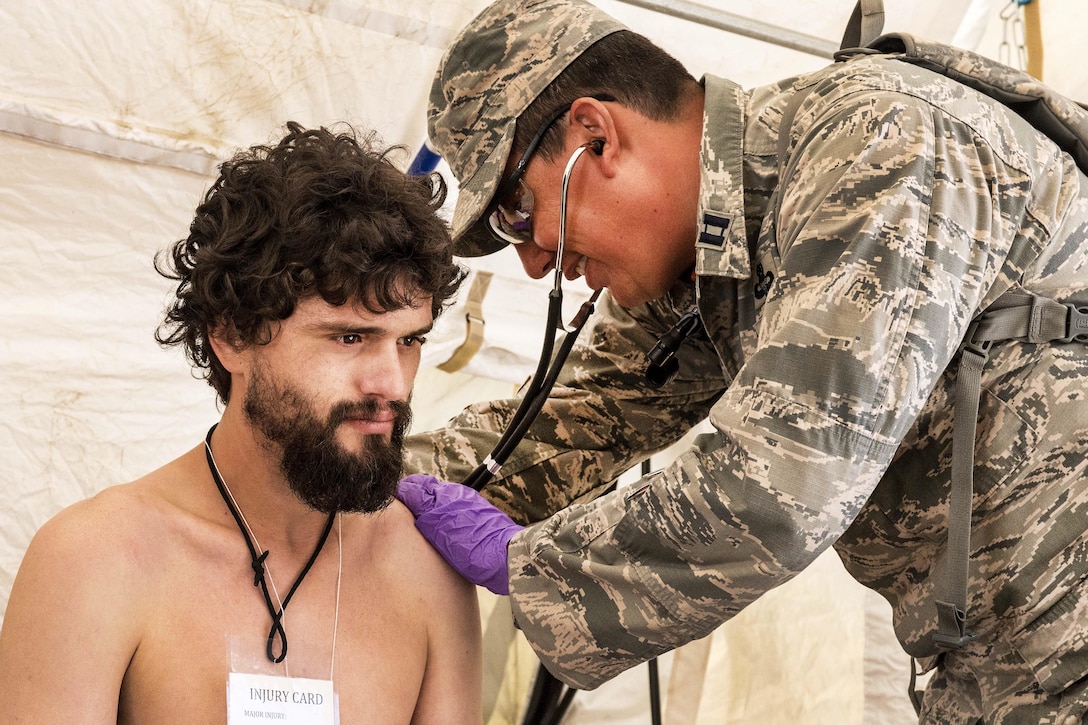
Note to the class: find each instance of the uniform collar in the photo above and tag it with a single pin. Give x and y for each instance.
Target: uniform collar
(722, 248)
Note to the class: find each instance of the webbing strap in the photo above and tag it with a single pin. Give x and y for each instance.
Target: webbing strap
(1016, 315)
(952, 613)
(865, 25)
(1023, 316)
(474, 319)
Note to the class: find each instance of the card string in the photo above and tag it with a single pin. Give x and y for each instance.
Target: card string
(277, 631)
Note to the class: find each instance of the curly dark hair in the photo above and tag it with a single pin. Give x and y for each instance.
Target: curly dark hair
(320, 213)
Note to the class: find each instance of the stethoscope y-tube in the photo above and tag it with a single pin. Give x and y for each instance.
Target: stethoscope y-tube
(547, 370)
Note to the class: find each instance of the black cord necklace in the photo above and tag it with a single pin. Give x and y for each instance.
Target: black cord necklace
(257, 562)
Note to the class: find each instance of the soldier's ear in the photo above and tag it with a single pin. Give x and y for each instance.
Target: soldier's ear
(593, 125)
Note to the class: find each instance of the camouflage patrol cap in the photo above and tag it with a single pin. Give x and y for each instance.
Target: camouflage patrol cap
(495, 68)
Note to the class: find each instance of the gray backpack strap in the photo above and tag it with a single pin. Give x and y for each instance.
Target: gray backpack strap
(866, 23)
(1014, 316)
(1062, 119)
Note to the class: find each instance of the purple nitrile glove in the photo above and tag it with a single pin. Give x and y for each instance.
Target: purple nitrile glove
(463, 526)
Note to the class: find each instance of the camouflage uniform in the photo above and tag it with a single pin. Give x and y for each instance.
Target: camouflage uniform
(909, 205)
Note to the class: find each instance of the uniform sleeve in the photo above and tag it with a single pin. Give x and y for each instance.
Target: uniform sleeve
(880, 265)
(600, 419)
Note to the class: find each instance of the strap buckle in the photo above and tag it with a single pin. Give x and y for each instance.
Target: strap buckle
(1076, 324)
(952, 632)
(981, 348)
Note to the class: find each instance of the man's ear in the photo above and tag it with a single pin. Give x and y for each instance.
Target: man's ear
(593, 124)
(228, 347)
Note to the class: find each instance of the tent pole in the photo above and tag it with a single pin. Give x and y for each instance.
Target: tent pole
(740, 25)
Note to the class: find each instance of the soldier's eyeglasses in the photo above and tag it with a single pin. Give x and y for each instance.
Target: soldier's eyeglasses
(512, 220)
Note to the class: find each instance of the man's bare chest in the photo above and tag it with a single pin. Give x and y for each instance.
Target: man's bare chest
(204, 623)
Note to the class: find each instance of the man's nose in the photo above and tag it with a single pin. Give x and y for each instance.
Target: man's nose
(536, 260)
(387, 374)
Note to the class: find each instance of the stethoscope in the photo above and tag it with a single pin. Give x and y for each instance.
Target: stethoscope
(661, 360)
(547, 369)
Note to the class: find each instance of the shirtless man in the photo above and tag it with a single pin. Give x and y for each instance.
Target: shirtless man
(310, 276)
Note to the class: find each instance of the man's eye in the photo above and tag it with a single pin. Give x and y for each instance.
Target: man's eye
(350, 338)
(412, 340)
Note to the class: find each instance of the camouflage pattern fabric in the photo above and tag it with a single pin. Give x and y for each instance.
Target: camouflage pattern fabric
(909, 204)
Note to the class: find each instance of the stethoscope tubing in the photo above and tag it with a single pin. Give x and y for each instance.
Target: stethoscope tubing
(548, 368)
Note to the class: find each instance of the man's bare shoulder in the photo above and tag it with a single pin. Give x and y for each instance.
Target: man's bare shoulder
(395, 532)
(81, 600)
(121, 526)
(404, 553)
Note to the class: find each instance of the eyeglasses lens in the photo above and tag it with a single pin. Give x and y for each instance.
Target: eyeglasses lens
(512, 220)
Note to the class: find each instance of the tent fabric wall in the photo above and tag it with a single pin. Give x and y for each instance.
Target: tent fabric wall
(112, 120)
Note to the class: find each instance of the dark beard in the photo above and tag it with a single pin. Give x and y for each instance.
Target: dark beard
(319, 471)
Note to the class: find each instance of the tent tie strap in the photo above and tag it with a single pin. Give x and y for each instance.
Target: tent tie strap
(474, 321)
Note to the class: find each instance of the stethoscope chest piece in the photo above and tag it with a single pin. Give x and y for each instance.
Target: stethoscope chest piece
(661, 362)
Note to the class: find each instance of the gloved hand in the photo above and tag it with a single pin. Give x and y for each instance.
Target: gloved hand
(467, 531)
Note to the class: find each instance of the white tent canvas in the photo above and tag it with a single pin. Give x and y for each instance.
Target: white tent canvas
(112, 119)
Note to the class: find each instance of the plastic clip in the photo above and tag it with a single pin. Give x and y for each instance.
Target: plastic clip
(1076, 324)
(952, 627)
